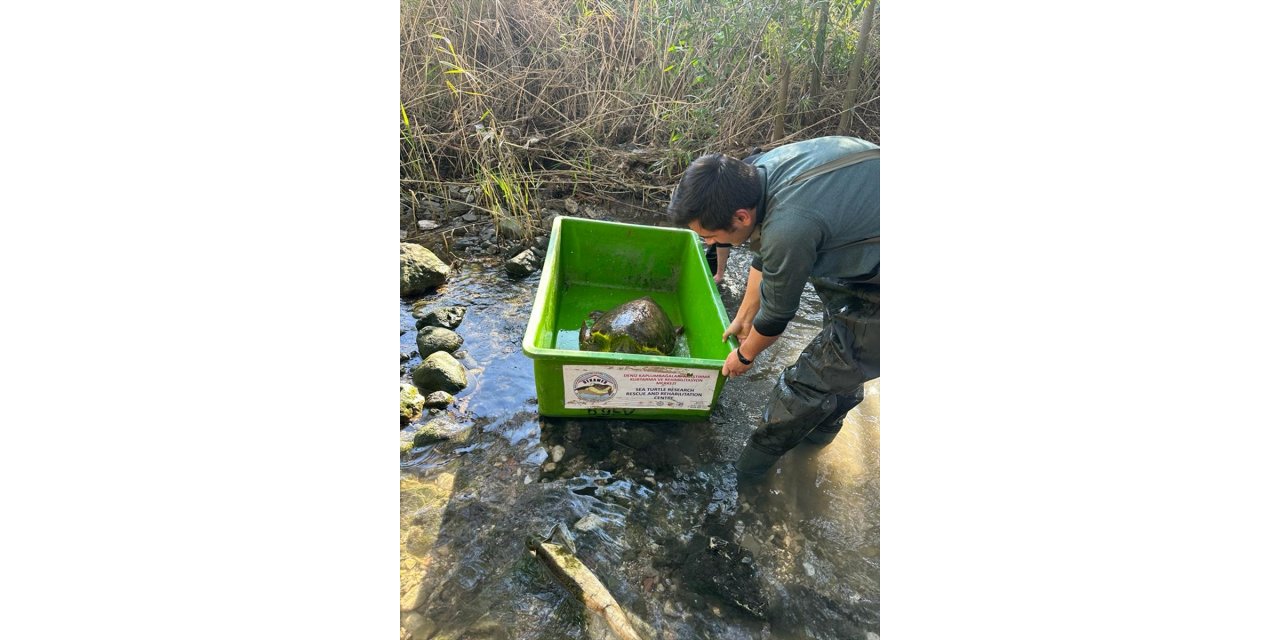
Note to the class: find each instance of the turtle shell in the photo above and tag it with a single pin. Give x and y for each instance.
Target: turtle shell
(638, 326)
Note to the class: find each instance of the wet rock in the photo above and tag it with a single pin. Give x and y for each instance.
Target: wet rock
(637, 437)
(589, 522)
(541, 242)
(470, 216)
(413, 621)
(433, 339)
(411, 403)
(420, 270)
(722, 568)
(440, 372)
(454, 207)
(523, 264)
(440, 430)
(510, 228)
(486, 629)
(439, 400)
(413, 598)
(422, 502)
(447, 317)
(557, 453)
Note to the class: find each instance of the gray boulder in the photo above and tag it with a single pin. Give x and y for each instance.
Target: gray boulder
(420, 270)
(440, 372)
(439, 400)
(433, 339)
(522, 264)
(441, 429)
(510, 228)
(447, 317)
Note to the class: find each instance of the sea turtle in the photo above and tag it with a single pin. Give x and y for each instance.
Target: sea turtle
(638, 326)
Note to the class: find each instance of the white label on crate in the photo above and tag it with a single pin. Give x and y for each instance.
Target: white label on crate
(590, 387)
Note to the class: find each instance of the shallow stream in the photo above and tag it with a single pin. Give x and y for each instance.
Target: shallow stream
(654, 507)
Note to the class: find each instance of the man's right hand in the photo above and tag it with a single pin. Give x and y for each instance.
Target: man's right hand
(740, 329)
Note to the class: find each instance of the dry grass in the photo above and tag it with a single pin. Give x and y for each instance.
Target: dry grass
(598, 96)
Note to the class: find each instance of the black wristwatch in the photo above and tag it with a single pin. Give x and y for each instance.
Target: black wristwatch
(741, 358)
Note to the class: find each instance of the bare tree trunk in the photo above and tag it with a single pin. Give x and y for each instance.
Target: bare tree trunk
(780, 105)
(855, 67)
(819, 52)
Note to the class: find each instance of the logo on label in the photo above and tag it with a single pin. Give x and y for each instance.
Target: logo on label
(595, 387)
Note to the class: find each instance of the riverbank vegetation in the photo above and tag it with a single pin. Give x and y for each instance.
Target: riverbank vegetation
(608, 100)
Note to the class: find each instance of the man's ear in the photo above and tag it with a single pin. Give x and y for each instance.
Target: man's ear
(743, 217)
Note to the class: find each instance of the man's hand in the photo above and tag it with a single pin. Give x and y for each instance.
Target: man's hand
(739, 329)
(733, 367)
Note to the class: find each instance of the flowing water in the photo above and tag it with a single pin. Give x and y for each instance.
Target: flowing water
(654, 507)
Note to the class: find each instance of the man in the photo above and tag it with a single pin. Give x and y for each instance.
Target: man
(718, 259)
(813, 208)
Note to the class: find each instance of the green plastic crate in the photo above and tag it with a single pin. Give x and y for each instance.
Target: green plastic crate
(593, 265)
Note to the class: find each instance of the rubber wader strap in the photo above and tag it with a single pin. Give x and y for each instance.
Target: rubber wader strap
(838, 163)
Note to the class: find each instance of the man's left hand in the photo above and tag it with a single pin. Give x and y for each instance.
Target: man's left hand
(732, 366)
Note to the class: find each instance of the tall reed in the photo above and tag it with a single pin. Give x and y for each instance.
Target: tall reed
(611, 97)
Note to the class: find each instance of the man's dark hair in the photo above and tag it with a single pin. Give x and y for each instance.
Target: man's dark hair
(712, 188)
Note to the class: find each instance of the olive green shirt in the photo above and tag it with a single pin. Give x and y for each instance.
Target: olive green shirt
(824, 226)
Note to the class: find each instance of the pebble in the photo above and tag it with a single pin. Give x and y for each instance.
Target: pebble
(557, 453)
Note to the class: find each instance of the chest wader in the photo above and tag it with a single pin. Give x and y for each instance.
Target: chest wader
(812, 396)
